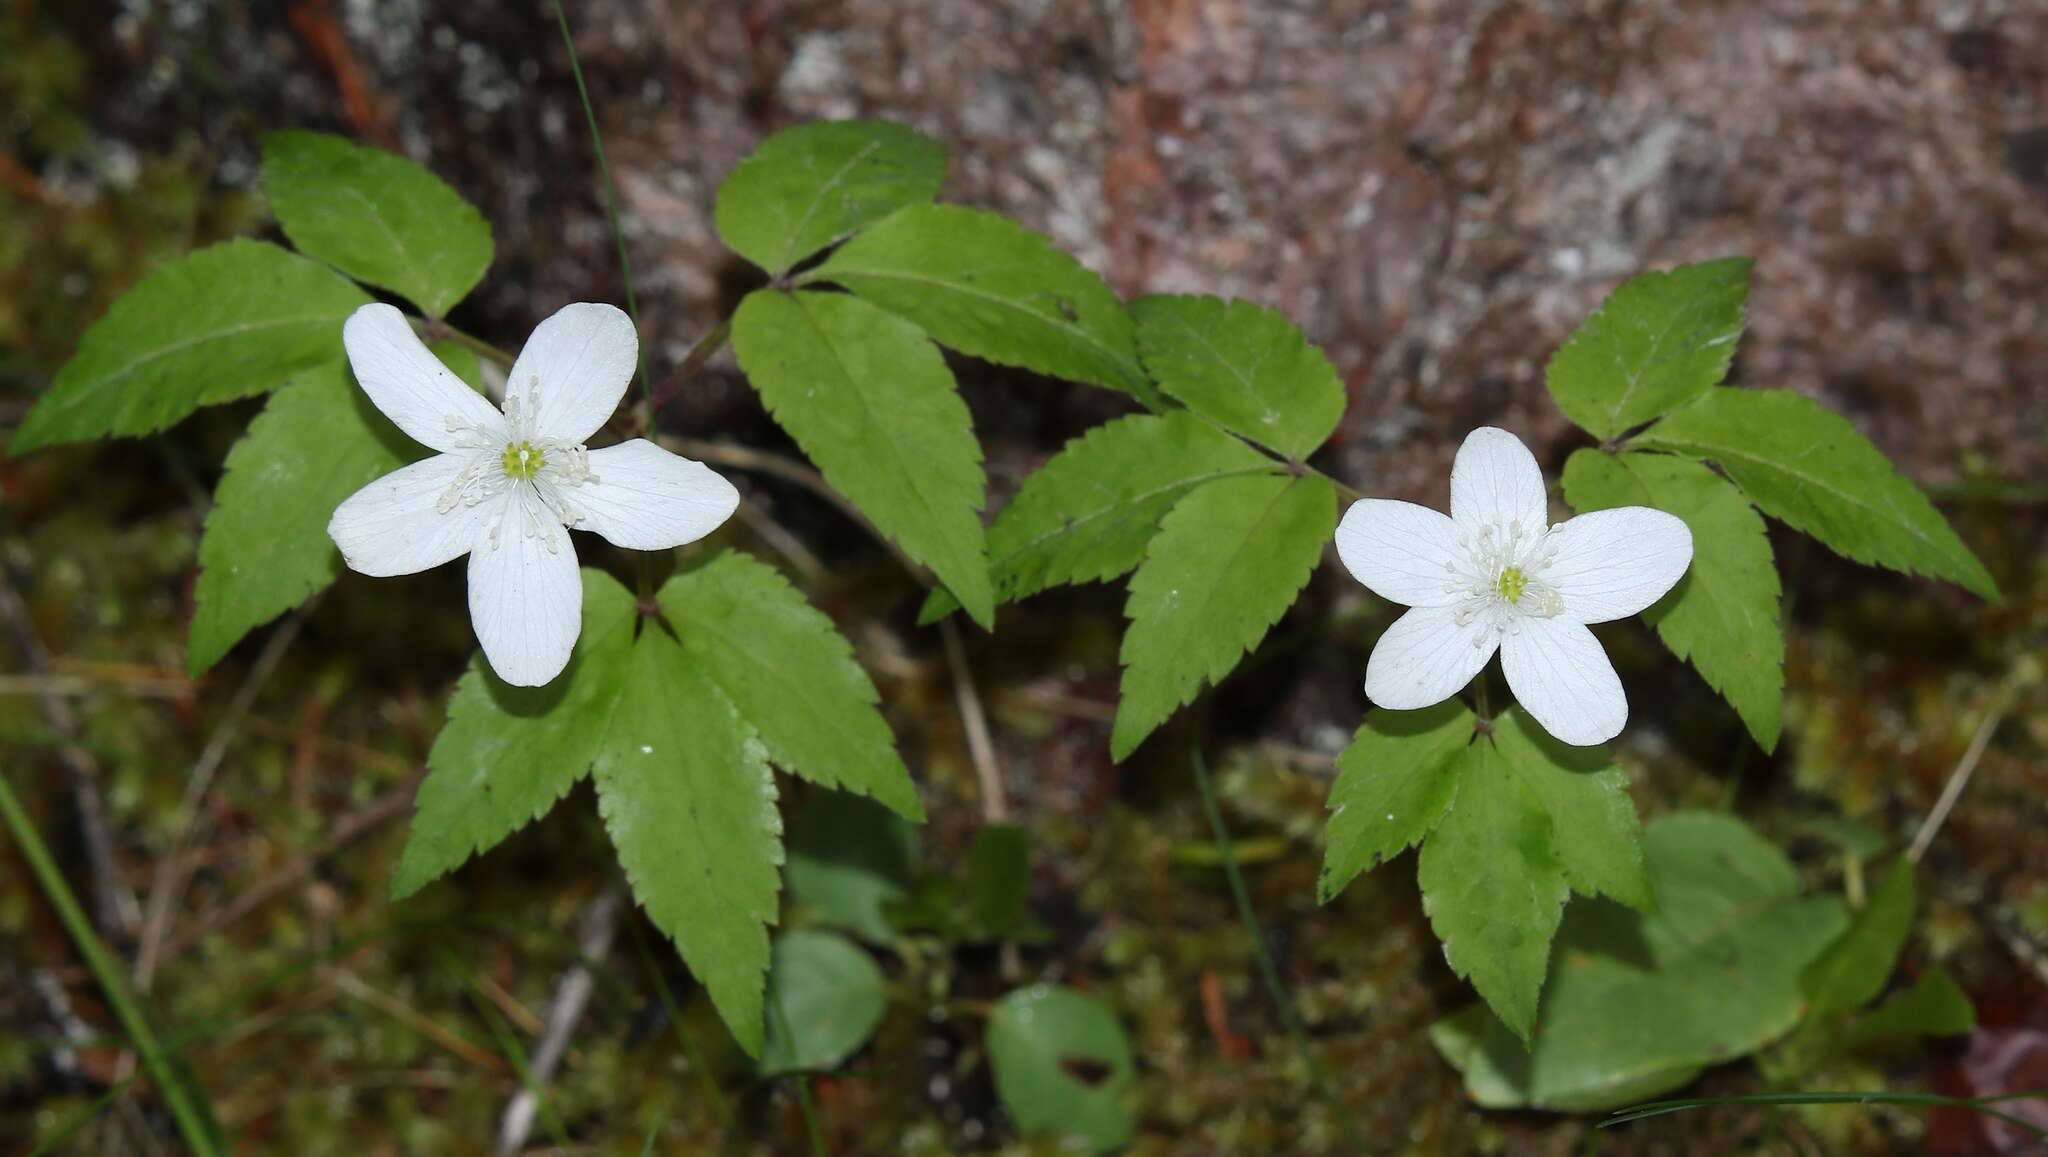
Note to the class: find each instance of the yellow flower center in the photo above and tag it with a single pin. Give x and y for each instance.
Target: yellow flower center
(523, 460)
(1511, 584)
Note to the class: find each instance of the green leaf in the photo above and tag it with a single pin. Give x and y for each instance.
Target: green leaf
(1808, 466)
(829, 998)
(265, 549)
(1242, 366)
(214, 325)
(988, 287)
(1492, 885)
(1595, 831)
(1089, 512)
(684, 787)
(376, 216)
(1935, 1006)
(507, 754)
(1394, 782)
(1854, 968)
(1225, 565)
(1636, 1004)
(850, 859)
(873, 404)
(792, 676)
(1723, 615)
(1655, 342)
(1062, 1066)
(817, 184)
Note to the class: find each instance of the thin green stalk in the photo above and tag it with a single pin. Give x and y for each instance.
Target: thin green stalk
(509, 1046)
(194, 1118)
(675, 1020)
(802, 1081)
(1267, 970)
(1924, 1100)
(611, 202)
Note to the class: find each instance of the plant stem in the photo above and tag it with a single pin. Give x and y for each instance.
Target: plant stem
(611, 204)
(802, 1081)
(436, 330)
(1267, 970)
(195, 1121)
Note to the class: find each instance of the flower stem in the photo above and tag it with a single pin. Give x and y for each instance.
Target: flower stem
(434, 329)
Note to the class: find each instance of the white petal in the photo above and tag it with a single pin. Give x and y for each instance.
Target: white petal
(645, 498)
(525, 601)
(406, 381)
(1496, 482)
(1425, 657)
(392, 527)
(1402, 552)
(579, 362)
(1613, 563)
(1562, 678)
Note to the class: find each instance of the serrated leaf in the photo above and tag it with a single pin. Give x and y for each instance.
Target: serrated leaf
(376, 216)
(1062, 1066)
(986, 286)
(814, 185)
(1935, 1006)
(828, 999)
(1089, 512)
(507, 754)
(1594, 827)
(1242, 366)
(1854, 968)
(1722, 617)
(265, 549)
(792, 676)
(850, 859)
(214, 325)
(871, 401)
(1655, 342)
(1493, 886)
(1636, 1004)
(684, 788)
(1808, 466)
(1394, 783)
(1226, 564)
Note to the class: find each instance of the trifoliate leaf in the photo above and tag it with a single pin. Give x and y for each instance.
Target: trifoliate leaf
(1242, 366)
(1062, 1066)
(986, 286)
(376, 216)
(1723, 615)
(265, 549)
(1658, 340)
(873, 404)
(1225, 565)
(1594, 827)
(850, 859)
(817, 184)
(684, 787)
(218, 324)
(1936, 1006)
(1636, 1004)
(1394, 783)
(1090, 511)
(792, 676)
(1854, 968)
(1493, 886)
(1808, 466)
(507, 754)
(826, 999)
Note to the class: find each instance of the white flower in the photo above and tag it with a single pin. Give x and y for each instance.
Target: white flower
(1496, 575)
(506, 485)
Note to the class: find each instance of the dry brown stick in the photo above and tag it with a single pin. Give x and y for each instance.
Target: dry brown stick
(114, 907)
(419, 1022)
(1958, 779)
(171, 876)
(572, 994)
(981, 748)
(350, 828)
